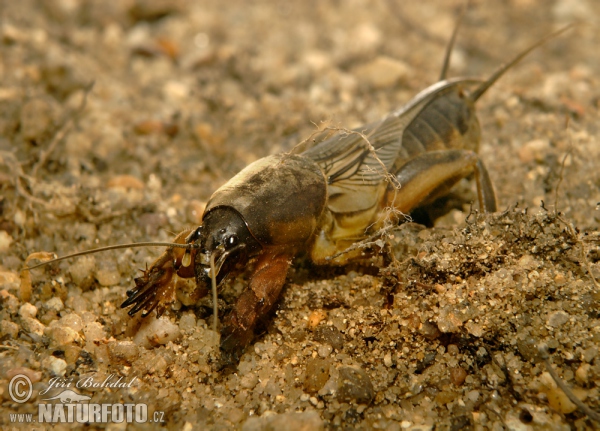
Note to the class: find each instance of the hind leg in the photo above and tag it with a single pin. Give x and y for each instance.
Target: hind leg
(431, 175)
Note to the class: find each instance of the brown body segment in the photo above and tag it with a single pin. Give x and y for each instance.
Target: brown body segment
(280, 197)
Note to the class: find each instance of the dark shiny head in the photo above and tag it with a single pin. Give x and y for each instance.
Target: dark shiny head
(224, 237)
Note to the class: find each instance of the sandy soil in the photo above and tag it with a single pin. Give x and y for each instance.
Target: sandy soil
(440, 331)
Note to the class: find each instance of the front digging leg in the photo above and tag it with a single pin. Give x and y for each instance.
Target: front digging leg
(257, 300)
(157, 287)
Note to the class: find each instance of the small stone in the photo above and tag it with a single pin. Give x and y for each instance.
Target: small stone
(446, 396)
(430, 331)
(93, 332)
(55, 366)
(123, 352)
(73, 321)
(475, 329)
(382, 72)
(457, 375)
(527, 348)
(589, 354)
(28, 310)
(55, 304)
(582, 374)
(387, 360)
(5, 241)
(249, 381)
(187, 323)
(72, 353)
(315, 318)
(84, 270)
(557, 318)
(560, 279)
(125, 182)
(448, 322)
(8, 329)
(534, 150)
(330, 335)
(32, 325)
(317, 374)
(559, 401)
(108, 275)
(324, 351)
(10, 302)
(355, 385)
(176, 91)
(154, 332)
(62, 335)
(473, 396)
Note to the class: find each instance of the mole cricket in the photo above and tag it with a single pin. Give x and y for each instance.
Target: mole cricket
(321, 201)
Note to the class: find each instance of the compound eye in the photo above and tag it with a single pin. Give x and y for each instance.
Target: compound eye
(231, 241)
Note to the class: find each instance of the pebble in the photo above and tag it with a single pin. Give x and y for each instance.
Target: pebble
(249, 381)
(10, 303)
(324, 351)
(28, 310)
(387, 360)
(590, 353)
(55, 304)
(355, 385)
(123, 352)
(536, 150)
(8, 329)
(62, 335)
(93, 331)
(473, 395)
(107, 275)
(330, 335)
(153, 332)
(83, 270)
(187, 323)
(457, 375)
(449, 322)
(557, 318)
(527, 347)
(73, 321)
(9, 280)
(382, 72)
(559, 401)
(125, 182)
(30, 324)
(315, 318)
(56, 366)
(430, 331)
(317, 374)
(5, 241)
(582, 374)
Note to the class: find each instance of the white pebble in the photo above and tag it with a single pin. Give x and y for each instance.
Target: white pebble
(55, 304)
(156, 331)
(56, 366)
(28, 310)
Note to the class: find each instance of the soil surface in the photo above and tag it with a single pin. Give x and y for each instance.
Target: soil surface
(119, 120)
